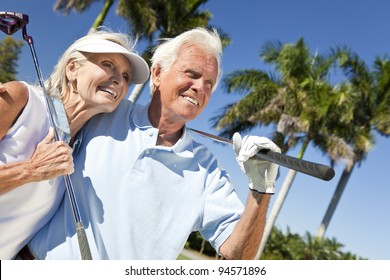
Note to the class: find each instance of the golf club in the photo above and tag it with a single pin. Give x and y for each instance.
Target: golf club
(11, 22)
(310, 168)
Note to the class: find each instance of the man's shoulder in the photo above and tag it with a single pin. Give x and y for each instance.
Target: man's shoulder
(205, 154)
(108, 123)
(125, 108)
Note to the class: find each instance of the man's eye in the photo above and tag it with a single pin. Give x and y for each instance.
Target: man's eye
(209, 84)
(192, 74)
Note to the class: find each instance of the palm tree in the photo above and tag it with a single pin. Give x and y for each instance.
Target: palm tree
(321, 249)
(289, 246)
(283, 246)
(297, 102)
(371, 94)
(381, 115)
(10, 51)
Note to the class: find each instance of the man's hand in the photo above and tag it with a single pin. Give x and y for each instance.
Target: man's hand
(261, 173)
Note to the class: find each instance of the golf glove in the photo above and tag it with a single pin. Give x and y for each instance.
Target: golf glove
(261, 173)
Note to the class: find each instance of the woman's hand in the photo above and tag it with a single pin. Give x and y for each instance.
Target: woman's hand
(51, 159)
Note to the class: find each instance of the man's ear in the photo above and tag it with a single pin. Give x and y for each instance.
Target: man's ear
(156, 75)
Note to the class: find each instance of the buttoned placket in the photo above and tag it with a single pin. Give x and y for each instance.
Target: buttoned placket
(149, 143)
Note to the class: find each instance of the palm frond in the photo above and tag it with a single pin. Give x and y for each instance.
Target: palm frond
(66, 6)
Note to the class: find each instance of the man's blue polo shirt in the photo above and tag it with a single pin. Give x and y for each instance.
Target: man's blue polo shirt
(139, 200)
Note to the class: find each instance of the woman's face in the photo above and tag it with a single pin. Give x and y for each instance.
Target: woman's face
(102, 80)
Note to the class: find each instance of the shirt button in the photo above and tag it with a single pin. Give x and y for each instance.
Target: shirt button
(147, 152)
(150, 133)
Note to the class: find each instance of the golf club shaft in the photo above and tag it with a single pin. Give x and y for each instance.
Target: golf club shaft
(310, 168)
(80, 230)
(67, 179)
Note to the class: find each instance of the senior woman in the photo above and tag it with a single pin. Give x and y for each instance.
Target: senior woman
(91, 77)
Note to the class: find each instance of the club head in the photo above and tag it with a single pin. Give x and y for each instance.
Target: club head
(11, 22)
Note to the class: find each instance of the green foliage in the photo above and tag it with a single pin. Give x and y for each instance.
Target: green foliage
(286, 246)
(79, 6)
(168, 17)
(381, 118)
(297, 99)
(10, 51)
(338, 119)
(289, 246)
(153, 19)
(182, 258)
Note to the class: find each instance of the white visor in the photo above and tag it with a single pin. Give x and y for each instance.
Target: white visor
(140, 69)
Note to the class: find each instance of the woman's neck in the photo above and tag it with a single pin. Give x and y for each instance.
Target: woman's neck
(77, 113)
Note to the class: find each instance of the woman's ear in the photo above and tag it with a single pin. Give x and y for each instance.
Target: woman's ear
(71, 70)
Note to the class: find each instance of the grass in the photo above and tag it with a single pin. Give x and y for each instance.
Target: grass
(181, 257)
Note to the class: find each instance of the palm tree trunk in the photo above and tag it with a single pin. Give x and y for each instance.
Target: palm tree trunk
(136, 92)
(279, 202)
(101, 17)
(202, 246)
(335, 200)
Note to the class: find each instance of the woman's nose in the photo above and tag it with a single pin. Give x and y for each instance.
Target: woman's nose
(116, 77)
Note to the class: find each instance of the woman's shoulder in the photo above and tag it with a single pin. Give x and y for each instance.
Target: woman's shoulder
(13, 98)
(16, 92)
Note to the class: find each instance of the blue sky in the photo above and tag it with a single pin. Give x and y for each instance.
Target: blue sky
(361, 221)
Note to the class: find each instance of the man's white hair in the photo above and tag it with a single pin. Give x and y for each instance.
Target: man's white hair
(166, 53)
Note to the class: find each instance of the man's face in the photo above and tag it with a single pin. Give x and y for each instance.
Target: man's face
(186, 87)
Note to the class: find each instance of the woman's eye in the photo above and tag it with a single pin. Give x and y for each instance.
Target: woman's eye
(126, 77)
(107, 63)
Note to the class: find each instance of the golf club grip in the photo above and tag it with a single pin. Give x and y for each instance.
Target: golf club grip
(83, 242)
(310, 168)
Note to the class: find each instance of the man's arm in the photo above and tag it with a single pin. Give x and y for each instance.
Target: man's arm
(245, 239)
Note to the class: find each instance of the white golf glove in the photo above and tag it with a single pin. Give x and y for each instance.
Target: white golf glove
(261, 173)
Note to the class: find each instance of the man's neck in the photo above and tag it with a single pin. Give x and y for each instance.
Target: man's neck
(168, 139)
(169, 132)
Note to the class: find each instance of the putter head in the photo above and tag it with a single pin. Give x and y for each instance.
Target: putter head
(11, 22)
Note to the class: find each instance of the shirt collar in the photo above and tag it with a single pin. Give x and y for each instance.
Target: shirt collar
(183, 147)
(141, 117)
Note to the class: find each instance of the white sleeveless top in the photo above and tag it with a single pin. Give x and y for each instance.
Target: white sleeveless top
(25, 209)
